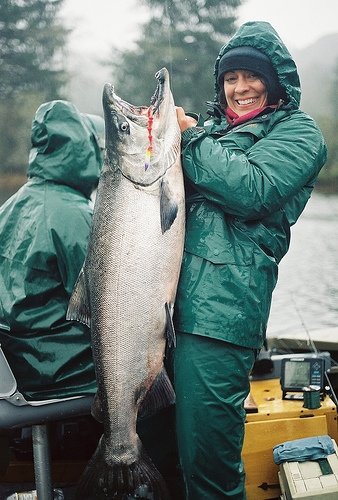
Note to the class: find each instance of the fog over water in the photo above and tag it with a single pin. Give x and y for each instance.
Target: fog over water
(306, 296)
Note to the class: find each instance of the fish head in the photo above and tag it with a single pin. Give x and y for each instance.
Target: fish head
(142, 142)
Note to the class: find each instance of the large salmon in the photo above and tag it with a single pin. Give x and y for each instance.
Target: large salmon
(126, 290)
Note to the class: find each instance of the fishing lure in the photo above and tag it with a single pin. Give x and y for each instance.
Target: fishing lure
(149, 152)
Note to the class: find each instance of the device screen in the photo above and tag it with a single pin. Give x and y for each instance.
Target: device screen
(296, 374)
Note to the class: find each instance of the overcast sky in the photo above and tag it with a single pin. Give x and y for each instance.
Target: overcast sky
(100, 24)
(298, 22)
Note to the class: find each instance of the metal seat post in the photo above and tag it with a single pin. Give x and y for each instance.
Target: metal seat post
(16, 412)
(42, 462)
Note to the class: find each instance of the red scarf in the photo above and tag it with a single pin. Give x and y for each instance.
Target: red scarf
(234, 119)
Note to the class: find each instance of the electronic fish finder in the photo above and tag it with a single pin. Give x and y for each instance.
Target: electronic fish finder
(300, 373)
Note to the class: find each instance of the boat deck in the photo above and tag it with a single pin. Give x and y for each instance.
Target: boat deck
(275, 422)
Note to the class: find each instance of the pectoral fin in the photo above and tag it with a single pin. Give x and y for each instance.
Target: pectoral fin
(78, 307)
(170, 330)
(168, 206)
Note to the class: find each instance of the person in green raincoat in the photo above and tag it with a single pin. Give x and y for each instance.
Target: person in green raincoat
(44, 229)
(249, 170)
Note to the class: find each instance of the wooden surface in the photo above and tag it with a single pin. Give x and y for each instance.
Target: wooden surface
(277, 421)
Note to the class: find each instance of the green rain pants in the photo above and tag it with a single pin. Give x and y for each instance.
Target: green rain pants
(211, 384)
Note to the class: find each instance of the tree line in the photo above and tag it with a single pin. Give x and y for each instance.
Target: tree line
(183, 35)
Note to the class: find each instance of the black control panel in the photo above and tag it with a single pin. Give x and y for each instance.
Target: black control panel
(300, 373)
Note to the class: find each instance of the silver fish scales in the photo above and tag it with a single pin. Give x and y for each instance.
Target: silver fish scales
(126, 289)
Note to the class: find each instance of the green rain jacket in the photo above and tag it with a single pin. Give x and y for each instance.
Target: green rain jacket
(246, 185)
(44, 229)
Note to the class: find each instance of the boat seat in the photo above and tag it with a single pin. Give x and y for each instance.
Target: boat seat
(17, 412)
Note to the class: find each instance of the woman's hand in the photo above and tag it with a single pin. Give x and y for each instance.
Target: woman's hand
(184, 121)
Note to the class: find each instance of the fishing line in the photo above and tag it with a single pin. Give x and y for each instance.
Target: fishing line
(167, 8)
(310, 341)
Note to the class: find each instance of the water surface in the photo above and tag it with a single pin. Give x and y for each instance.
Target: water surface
(306, 296)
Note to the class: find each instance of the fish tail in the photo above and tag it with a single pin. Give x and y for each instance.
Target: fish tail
(139, 480)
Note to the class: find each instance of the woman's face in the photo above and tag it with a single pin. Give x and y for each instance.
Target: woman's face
(244, 91)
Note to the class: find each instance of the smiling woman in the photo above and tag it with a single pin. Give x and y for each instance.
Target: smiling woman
(250, 170)
(247, 80)
(244, 91)
(248, 83)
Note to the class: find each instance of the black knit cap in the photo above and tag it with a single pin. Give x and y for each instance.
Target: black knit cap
(251, 59)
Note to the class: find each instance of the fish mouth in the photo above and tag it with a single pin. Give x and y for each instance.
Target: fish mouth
(141, 141)
(113, 101)
(135, 113)
(162, 87)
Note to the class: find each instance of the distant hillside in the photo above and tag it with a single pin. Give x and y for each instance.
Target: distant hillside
(315, 64)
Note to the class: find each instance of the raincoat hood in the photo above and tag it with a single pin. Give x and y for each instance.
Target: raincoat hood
(262, 36)
(64, 149)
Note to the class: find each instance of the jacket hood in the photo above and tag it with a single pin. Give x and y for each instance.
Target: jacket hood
(262, 36)
(64, 149)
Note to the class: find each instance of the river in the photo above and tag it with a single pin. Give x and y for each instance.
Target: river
(306, 295)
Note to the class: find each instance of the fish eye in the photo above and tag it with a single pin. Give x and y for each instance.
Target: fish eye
(124, 127)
